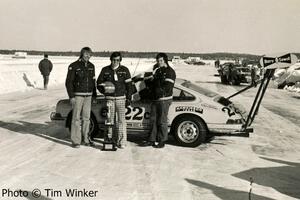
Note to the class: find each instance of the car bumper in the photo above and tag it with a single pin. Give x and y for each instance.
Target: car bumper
(230, 130)
(241, 133)
(56, 117)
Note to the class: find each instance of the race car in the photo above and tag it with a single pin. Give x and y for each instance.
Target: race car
(194, 113)
(234, 74)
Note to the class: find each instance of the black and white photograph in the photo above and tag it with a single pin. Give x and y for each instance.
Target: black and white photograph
(149, 100)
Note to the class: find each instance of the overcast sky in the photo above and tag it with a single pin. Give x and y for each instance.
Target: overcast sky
(241, 26)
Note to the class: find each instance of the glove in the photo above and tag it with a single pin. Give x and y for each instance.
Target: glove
(137, 79)
(127, 103)
(101, 88)
(94, 100)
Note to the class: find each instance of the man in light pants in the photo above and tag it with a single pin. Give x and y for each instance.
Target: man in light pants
(120, 77)
(80, 84)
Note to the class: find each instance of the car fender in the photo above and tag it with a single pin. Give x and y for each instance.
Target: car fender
(187, 115)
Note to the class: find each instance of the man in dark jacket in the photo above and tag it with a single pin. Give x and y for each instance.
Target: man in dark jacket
(80, 84)
(119, 76)
(162, 83)
(45, 67)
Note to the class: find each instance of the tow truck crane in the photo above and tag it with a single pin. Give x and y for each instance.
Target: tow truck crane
(270, 64)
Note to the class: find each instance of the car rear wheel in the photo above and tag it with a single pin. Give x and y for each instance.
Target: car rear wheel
(189, 131)
(223, 79)
(234, 81)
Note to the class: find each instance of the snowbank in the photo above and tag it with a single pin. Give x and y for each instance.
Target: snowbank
(294, 88)
(23, 74)
(286, 76)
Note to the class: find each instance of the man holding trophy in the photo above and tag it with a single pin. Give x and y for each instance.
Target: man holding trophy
(115, 83)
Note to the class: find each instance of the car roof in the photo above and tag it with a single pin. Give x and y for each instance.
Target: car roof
(180, 83)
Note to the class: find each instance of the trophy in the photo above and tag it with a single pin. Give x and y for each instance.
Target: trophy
(109, 144)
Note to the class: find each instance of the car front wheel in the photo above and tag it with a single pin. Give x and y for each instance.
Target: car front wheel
(94, 130)
(189, 131)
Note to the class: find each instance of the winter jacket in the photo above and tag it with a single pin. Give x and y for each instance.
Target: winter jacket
(81, 79)
(45, 67)
(121, 79)
(162, 82)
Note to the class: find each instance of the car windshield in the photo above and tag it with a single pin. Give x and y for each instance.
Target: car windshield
(199, 89)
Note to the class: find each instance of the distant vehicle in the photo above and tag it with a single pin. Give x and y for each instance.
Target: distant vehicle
(193, 115)
(176, 59)
(20, 55)
(191, 58)
(194, 61)
(234, 74)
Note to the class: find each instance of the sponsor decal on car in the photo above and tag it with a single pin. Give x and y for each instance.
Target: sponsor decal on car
(209, 106)
(188, 109)
(138, 125)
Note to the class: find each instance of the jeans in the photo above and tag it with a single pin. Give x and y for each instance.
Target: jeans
(159, 119)
(82, 107)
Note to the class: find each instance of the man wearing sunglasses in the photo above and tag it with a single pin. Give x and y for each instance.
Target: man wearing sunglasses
(119, 76)
(80, 84)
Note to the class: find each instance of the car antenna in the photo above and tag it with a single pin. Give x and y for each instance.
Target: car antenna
(136, 66)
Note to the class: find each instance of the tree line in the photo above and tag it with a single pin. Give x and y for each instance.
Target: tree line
(183, 55)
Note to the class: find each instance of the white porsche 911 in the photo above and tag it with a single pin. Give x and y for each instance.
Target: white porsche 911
(194, 113)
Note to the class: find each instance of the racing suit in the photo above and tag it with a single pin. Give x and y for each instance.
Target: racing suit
(80, 84)
(121, 79)
(162, 85)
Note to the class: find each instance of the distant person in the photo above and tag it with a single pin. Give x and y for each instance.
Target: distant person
(45, 67)
(80, 84)
(120, 77)
(253, 75)
(162, 85)
(217, 63)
